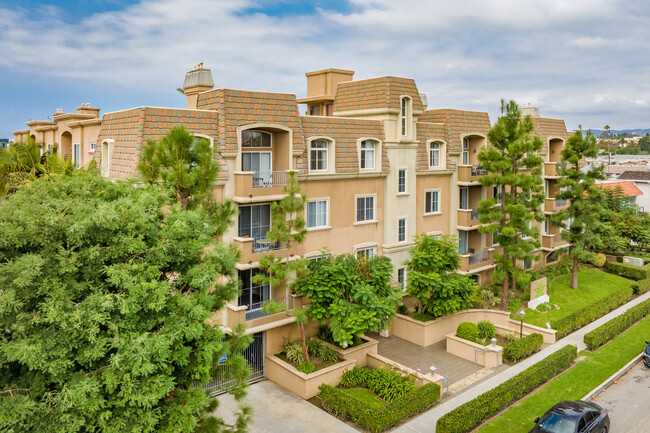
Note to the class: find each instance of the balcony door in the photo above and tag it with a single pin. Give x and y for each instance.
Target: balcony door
(464, 198)
(252, 295)
(260, 164)
(462, 241)
(254, 221)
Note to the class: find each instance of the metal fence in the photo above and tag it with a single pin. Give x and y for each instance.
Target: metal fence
(478, 171)
(481, 256)
(266, 179)
(254, 310)
(262, 245)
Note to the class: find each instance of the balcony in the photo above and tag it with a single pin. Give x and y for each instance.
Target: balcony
(553, 242)
(469, 174)
(551, 169)
(473, 261)
(251, 184)
(256, 310)
(552, 205)
(253, 248)
(468, 218)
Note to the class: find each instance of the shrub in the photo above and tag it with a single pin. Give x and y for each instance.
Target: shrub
(402, 309)
(511, 336)
(523, 347)
(578, 319)
(389, 385)
(599, 260)
(422, 317)
(294, 352)
(468, 331)
(486, 330)
(515, 305)
(306, 367)
(616, 326)
(544, 307)
(338, 402)
(320, 351)
(629, 271)
(641, 286)
(354, 378)
(467, 416)
(555, 270)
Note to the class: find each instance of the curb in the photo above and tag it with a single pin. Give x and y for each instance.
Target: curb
(612, 378)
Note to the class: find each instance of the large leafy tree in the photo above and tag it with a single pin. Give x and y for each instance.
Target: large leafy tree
(104, 294)
(355, 295)
(624, 224)
(513, 164)
(433, 277)
(585, 200)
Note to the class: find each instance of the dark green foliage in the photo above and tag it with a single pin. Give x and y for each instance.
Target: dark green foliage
(467, 331)
(402, 309)
(423, 317)
(467, 416)
(354, 378)
(389, 385)
(104, 294)
(355, 295)
(523, 347)
(306, 367)
(320, 351)
(337, 402)
(641, 286)
(629, 271)
(555, 270)
(433, 278)
(486, 330)
(591, 312)
(617, 325)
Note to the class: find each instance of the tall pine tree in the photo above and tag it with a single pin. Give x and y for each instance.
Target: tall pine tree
(513, 164)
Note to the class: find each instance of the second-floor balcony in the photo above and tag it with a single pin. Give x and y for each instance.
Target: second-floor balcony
(553, 241)
(475, 260)
(553, 205)
(468, 218)
(253, 248)
(468, 174)
(552, 169)
(250, 184)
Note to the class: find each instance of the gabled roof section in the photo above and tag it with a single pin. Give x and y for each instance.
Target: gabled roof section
(241, 107)
(546, 128)
(629, 189)
(458, 123)
(345, 132)
(635, 175)
(373, 93)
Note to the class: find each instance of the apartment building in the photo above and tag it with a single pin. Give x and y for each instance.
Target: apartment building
(377, 164)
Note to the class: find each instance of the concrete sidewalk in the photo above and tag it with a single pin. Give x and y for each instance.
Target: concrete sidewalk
(427, 421)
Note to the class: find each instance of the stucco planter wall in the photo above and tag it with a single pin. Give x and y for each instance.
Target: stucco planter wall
(301, 384)
(488, 356)
(358, 353)
(376, 361)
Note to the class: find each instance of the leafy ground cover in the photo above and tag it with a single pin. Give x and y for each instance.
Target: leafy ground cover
(593, 285)
(366, 396)
(574, 383)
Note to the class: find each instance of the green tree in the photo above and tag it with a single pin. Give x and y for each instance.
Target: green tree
(584, 198)
(623, 222)
(433, 277)
(644, 143)
(354, 295)
(104, 294)
(286, 228)
(513, 164)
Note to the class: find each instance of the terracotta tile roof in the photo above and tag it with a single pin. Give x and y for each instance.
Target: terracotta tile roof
(545, 128)
(635, 175)
(242, 107)
(345, 132)
(427, 132)
(458, 123)
(629, 188)
(382, 92)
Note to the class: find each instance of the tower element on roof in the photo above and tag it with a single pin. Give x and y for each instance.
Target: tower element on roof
(196, 81)
(321, 89)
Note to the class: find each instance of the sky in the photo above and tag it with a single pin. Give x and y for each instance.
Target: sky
(585, 61)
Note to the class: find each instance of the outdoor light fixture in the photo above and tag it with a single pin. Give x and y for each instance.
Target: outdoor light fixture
(548, 325)
(433, 369)
(345, 344)
(494, 341)
(522, 313)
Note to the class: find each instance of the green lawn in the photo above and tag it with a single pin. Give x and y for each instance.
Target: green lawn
(592, 286)
(366, 396)
(574, 383)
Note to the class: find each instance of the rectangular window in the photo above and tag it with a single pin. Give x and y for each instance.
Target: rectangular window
(254, 221)
(465, 151)
(401, 277)
(432, 201)
(401, 180)
(76, 154)
(401, 230)
(496, 191)
(464, 198)
(252, 294)
(93, 145)
(318, 155)
(367, 155)
(462, 241)
(434, 155)
(367, 253)
(524, 235)
(317, 213)
(404, 116)
(494, 238)
(255, 139)
(365, 208)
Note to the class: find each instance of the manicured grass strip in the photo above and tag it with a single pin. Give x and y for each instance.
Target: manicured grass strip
(593, 285)
(366, 396)
(574, 383)
(616, 326)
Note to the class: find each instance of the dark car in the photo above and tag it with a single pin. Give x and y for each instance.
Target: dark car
(573, 417)
(646, 354)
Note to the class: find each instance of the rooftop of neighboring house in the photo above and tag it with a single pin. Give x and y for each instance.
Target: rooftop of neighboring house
(629, 189)
(635, 175)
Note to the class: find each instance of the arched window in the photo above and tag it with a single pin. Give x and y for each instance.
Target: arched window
(367, 155)
(434, 154)
(404, 114)
(251, 138)
(318, 155)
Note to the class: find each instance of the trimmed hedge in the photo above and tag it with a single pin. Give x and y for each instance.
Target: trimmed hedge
(486, 329)
(338, 402)
(616, 326)
(641, 286)
(469, 415)
(468, 331)
(523, 347)
(578, 319)
(629, 271)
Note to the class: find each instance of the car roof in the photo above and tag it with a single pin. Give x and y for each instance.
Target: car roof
(573, 409)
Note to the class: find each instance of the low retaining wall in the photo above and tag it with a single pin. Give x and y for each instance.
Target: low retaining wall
(358, 353)
(488, 356)
(427, 333)
(377, 361)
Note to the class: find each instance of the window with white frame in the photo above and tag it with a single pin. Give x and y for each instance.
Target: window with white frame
(366, 208)
(366, 253)
(401, 277)
(404, 116)
(93, 145)
(317, 213)
(494, 238)
(496, 191)
(76, 154)
(252, 138)
(432, 201)
(367, 155)
(524, 235)
(401, 230)
(318, 155)
(401, 180)
(434, 155)
(465, 151)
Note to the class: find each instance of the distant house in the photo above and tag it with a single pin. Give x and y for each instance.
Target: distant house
(4, 142)
(641, 179)
(629, 189)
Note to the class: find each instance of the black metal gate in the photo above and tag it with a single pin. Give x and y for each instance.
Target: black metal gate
(254, 355)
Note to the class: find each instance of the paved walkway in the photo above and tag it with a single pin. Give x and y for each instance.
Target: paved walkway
(427, 421)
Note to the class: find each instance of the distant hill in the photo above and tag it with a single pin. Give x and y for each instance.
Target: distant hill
(640, 132)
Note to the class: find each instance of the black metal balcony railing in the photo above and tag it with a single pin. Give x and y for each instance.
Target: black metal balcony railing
(266, 179)
(256, 310)
(480, 257)
(478, 171)
(263, 245)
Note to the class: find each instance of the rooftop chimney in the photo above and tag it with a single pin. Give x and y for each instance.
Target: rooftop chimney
(529, 110)
(196, 81)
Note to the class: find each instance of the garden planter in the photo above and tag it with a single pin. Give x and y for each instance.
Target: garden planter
(489, 356)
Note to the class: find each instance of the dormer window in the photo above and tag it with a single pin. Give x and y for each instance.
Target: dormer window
(434, 155)
(367, 155)
(251, 138)
(318, 155)
(404, 115)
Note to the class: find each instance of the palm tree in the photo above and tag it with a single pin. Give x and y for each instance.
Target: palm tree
(19, 162)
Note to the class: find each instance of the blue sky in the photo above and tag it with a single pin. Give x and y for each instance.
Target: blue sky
(586, 61)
